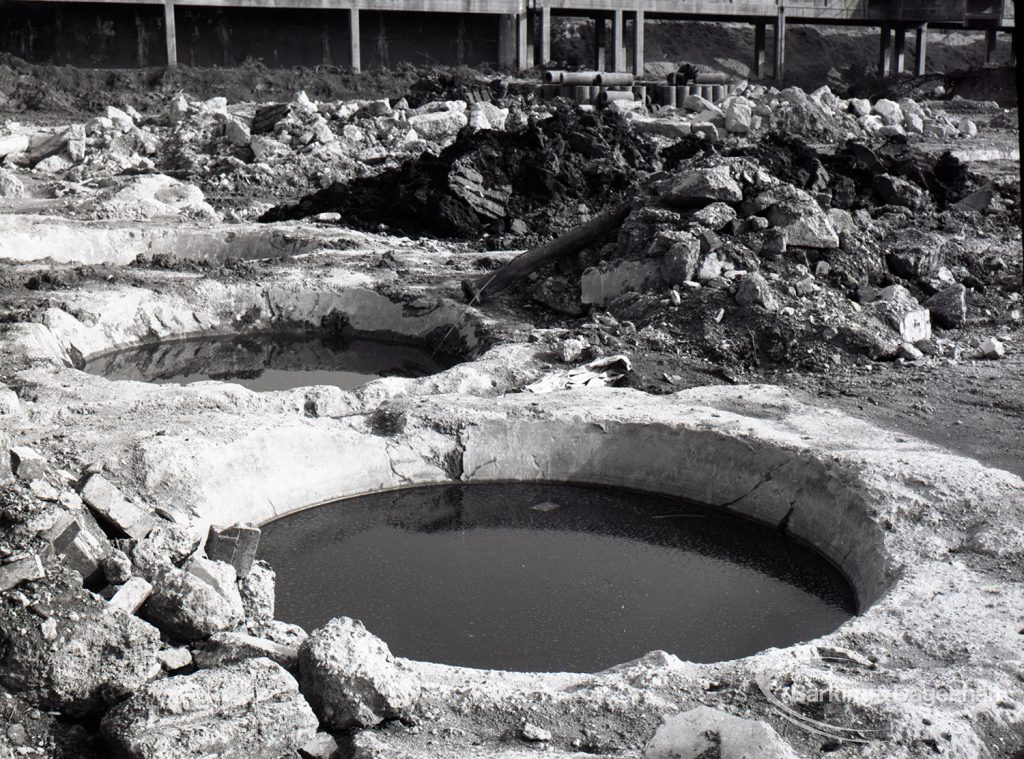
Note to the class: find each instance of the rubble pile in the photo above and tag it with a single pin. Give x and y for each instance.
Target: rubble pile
(111, 612)
(541, 179)
(819, 115)
(787, 263)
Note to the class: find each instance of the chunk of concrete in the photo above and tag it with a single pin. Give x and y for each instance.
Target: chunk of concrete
(229, 647)
(168, 545)
(81, 549)
(91, 656)
(351, 679)
(27, 465)
(175, 659)
(107, 502)
(702, 186)
(130, 596)
(754, 290)
(948, 306)
(188, 608)
(249, 710)
(707, 732)
(219, 575)
(21, 569)
(320, 746)
(901, 311)
(235, 545)
(992, 349)
(257, 592)
(600, 285)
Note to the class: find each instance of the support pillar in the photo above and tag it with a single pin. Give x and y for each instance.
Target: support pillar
(638, 44)
(545, 36)
(355, 54)
(171, 33)
(600, 40)
(618, 62)
(885, 51)
(899, 54)
(990, 47)
(780, 46)
(760, 37)
(522, 32)
(507, 40)
(921, 54)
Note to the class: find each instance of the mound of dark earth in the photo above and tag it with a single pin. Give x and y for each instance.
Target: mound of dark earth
(533, 183)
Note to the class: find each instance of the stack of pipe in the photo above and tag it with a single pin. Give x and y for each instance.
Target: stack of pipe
(713, 87)
(597, 87)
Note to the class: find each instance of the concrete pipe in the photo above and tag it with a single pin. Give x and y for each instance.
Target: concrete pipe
(713, 77)
(615, 79)
(581, 93)
(553, 77)
(579, 77)
(566, 91)
(595, 93)
(639, 92)
(717, 93)
(549, 91)
(609, 96)
(705, 91)
(683, 91)
(667, 95)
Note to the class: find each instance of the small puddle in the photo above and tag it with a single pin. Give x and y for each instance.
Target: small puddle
(544, 577)
(268, 361)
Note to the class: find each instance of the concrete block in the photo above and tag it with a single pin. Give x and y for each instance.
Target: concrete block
(19, 570)
(173, 659)
(131, 595)
(229, 647)
(26, 464)
(81, 549)
(235, 545)
(107, 502)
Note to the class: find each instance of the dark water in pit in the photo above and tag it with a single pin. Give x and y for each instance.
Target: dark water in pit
(267, 361)
(491, 576)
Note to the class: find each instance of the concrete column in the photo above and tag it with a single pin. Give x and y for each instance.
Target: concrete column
(760, 37)
(990, 47)
(171, 33)
(522, 32)
(618, 57)
(507, 41)
(545, 35)
(921, 56)
(899, 51)
(355, 54)
(638, 44)
(885, 51)
(780, 46)
(600, 39)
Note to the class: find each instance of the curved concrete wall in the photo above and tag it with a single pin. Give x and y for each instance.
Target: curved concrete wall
(274, 472)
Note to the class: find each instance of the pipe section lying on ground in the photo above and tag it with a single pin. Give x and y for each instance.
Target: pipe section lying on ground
(526, 263)
(615, 79)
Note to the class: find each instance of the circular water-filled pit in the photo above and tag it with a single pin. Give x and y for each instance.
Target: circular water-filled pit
(551, 577)
(268, 361)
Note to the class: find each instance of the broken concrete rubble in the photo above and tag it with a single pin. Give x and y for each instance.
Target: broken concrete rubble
(107, 502)
(704, 731)
(351, 679)
(235, 545)
(189, 608)
(249, 710)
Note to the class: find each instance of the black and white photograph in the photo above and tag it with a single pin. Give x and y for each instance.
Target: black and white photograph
(511, 379)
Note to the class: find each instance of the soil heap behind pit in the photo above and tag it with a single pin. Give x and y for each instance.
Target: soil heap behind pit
(537, 182)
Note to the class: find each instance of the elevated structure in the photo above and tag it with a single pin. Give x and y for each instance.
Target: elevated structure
(521, 35)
